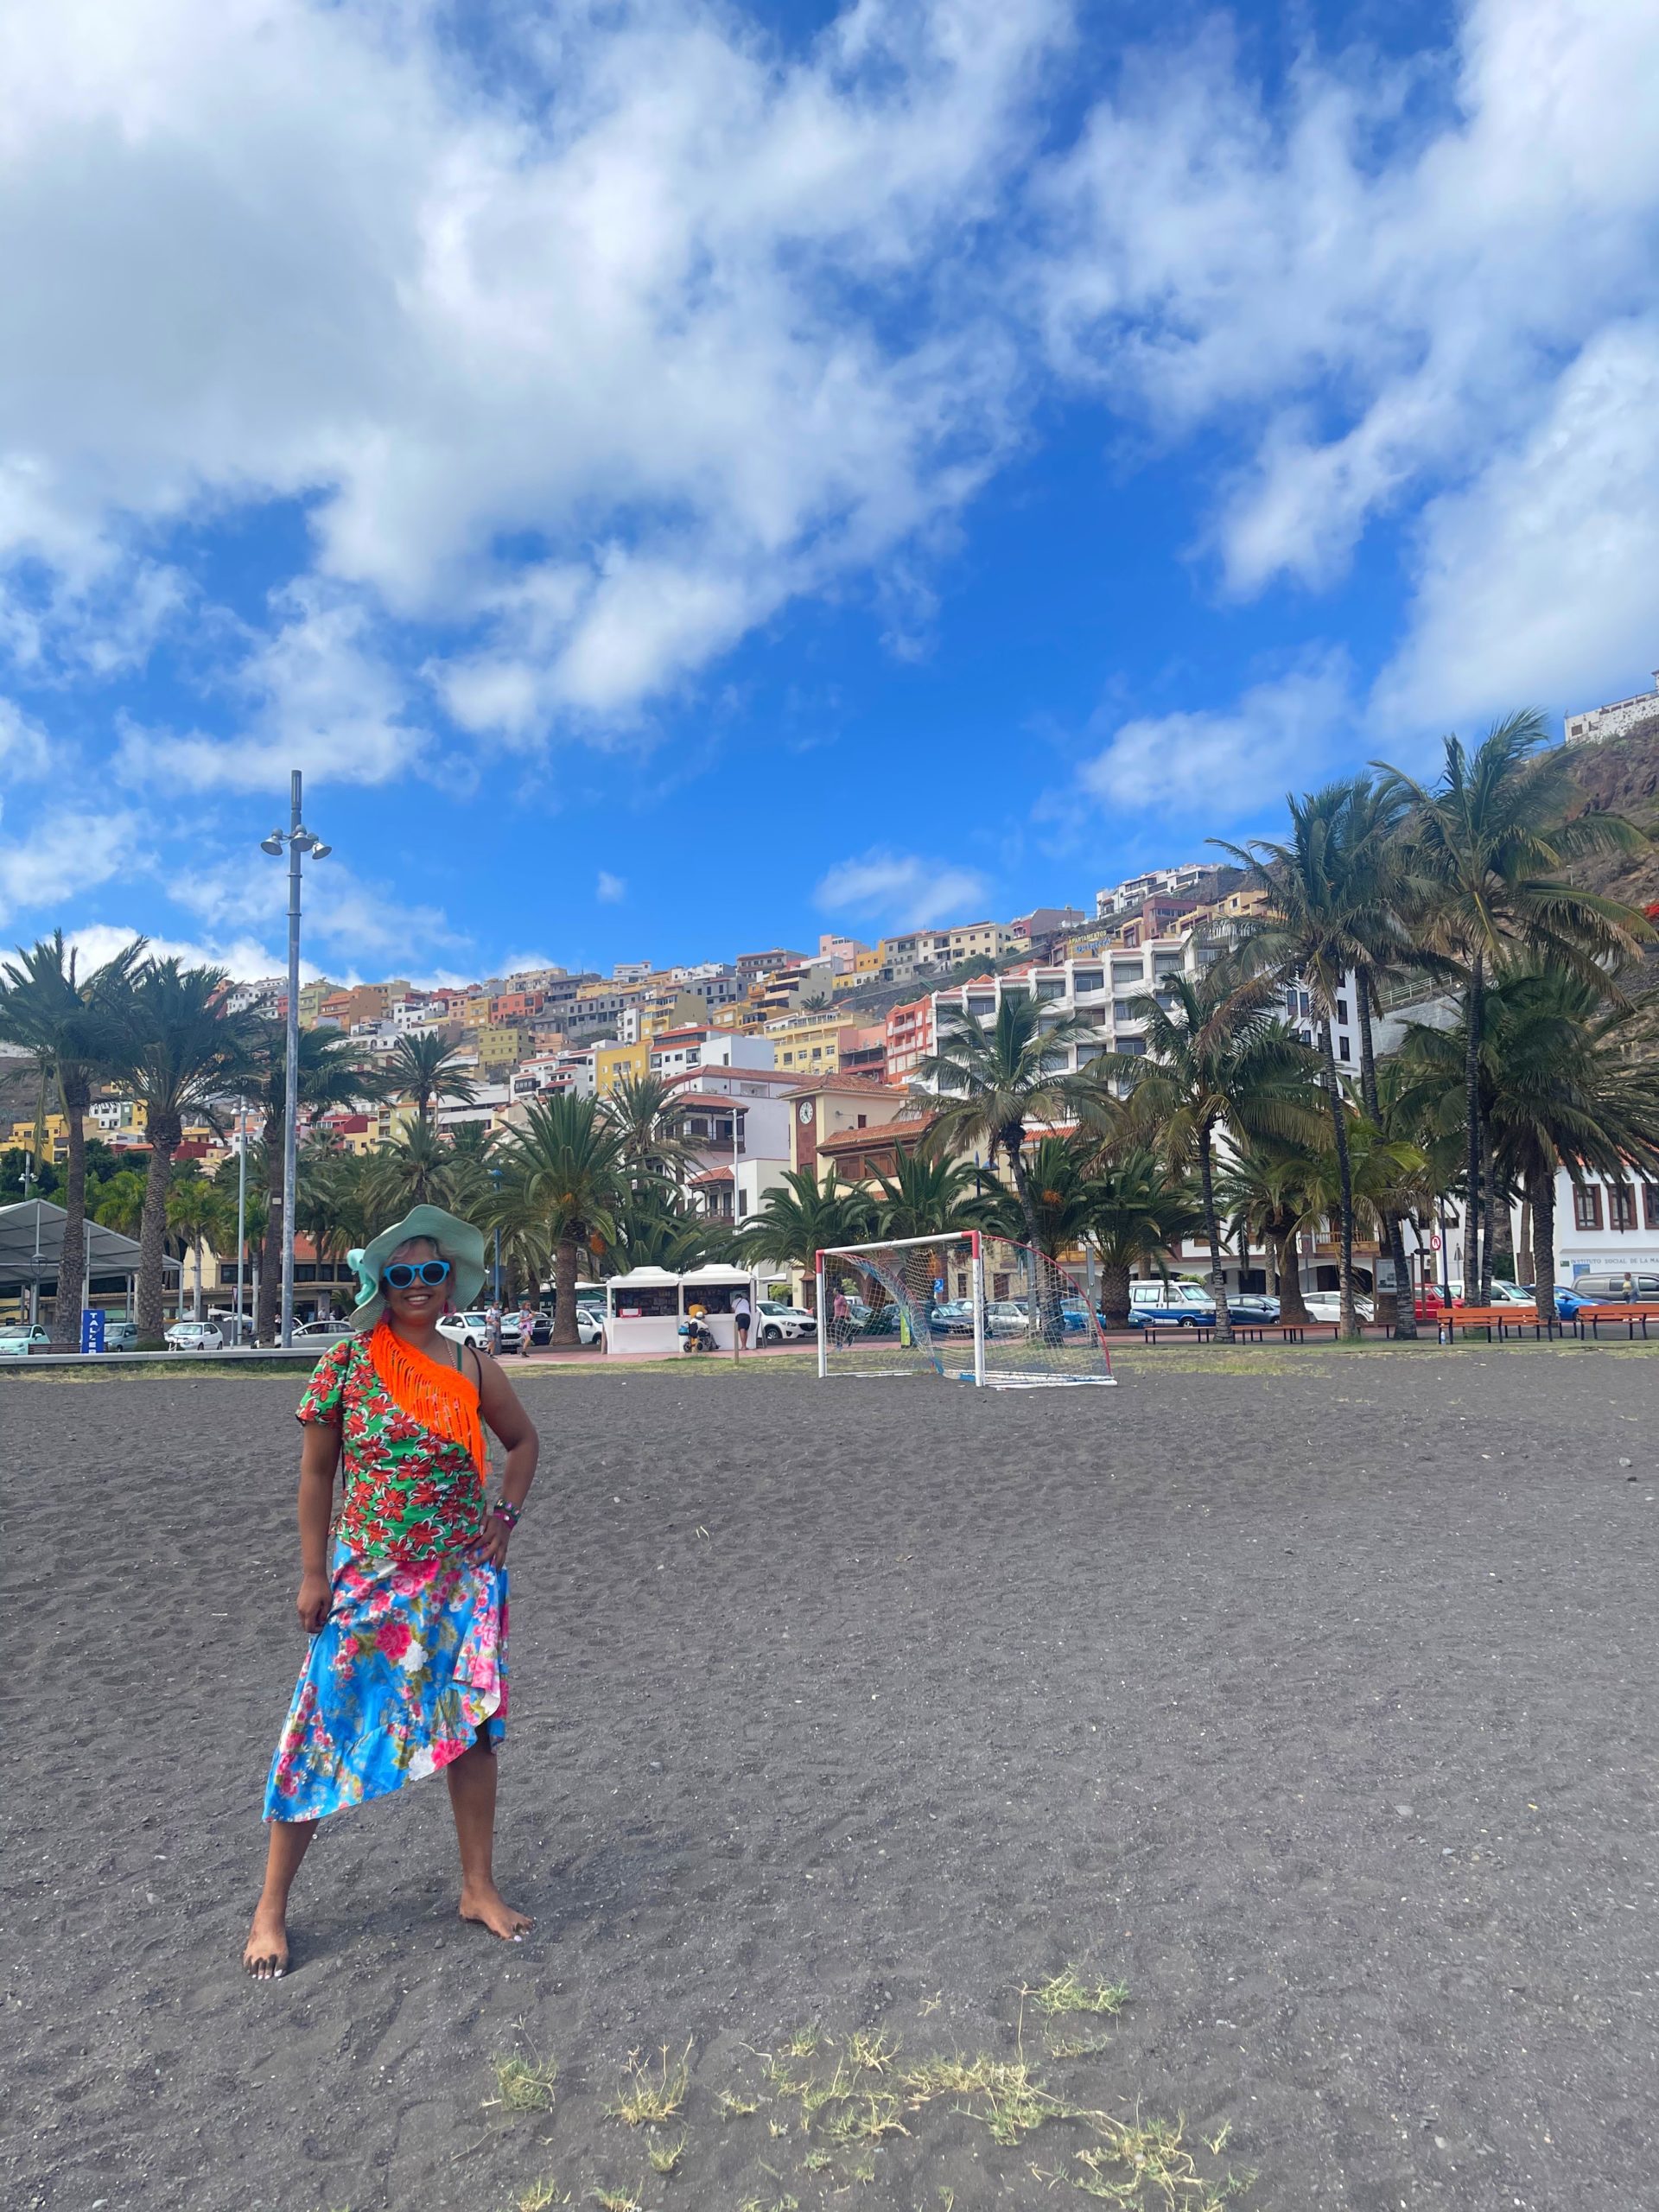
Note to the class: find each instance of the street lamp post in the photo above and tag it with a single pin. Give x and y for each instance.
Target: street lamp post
(299, 841)
(241, 1209)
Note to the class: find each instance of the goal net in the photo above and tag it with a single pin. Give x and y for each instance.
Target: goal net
(972, 1309)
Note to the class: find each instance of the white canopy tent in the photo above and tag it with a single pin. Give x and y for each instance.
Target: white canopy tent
(31, 1249)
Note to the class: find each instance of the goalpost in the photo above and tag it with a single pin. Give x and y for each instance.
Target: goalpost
(970, 1308)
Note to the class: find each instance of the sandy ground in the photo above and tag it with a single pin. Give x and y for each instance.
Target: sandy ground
(1310, 1693)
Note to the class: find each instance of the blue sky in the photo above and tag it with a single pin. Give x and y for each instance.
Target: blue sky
(680, 478)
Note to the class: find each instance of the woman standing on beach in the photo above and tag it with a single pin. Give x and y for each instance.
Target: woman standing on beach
(408, 1618)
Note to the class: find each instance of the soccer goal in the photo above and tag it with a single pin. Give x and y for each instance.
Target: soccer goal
(972, 1309)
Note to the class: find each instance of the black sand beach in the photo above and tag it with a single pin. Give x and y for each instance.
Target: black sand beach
(1310, 1695)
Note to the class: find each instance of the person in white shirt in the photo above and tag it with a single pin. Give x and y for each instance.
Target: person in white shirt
(740, 1317)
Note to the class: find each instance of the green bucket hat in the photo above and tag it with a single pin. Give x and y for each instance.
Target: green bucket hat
(458, 1241)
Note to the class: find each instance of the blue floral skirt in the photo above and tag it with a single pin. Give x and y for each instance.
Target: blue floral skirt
(408, 1671)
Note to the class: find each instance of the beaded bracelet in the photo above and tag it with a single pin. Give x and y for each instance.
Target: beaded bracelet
(509, 1513)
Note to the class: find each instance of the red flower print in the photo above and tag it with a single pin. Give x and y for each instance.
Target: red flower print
(393, 1639)
(421, 1535)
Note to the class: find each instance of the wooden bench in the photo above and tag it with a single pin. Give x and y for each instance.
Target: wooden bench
(1521, 1318)
(1255, 1332)
(1632, 1316)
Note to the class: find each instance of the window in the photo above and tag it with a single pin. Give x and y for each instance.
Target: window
(1651, 1205)
(1621, 1201)
(1342, 1011)
(863, 1121)
(1587, 1208)
(1342, 1049)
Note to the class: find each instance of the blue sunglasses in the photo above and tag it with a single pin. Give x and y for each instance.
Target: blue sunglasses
(399, 1275)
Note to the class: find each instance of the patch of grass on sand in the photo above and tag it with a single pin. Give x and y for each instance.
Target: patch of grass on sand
(1147, 2163)
(616, 2200)
(803, 2044)
(541, 2197)
(1080, 2046)
(650, 2096)
(523, 2084)
(665, 2157)
(1068, 1991)
(866, 2117)
(734, 2107)
(1002, 2093)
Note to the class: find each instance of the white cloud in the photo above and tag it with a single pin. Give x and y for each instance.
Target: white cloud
(610, 890)
(1539, 582)
(344, 918)
(1374, 283)
(243, 957)
(591, 376)
(903, 889)
(320, 696)
(1225, 766)
(66, 851)
(25, 750)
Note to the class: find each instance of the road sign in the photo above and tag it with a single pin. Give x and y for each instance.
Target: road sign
(92, 1328)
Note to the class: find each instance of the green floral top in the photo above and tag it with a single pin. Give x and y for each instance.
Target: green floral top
(407, 1494)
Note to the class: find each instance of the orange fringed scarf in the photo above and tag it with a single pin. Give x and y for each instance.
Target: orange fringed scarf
(441, 1398)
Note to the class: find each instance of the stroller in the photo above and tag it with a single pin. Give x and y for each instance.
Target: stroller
(698, 1336)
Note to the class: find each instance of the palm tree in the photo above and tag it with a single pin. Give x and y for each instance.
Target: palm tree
(426, 1068)
(177, 1052)
(1322, 904)
(68, 1024)
(565, 1172)
(994, 1081)
(926, 1196)
(1139, 1212)
(420, 1168)
(645, 1114)
(1217, 1063)
(120, 1204)
(1566, 1079)
(799, 1218)
(330, 1076)
(196, 1214)
(653, 1231)
(1062, 1199)
(1487, 848)
(1264, 1189)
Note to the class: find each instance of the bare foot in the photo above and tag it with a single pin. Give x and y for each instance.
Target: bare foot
(490, 1908)
(265, 1956)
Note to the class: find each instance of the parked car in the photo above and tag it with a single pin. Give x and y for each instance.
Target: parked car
(1007, 1317)
(541, 1328)
(777, 1323)
(19, 1339)
(471, 1328)
(325, 1332)
(1182, 1305)
(1606, 1287)
(1252, 1305)
(193, 1336)
(1327, 1305)
(955, 1317)
(120, 1334)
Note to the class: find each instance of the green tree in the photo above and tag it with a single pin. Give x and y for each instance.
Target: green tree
(1487, 848)
(1138, 1213)
(120, 1205)
(564, 1174)
(1218, 1062)
(69, 1023)
(1319, 891)
(994, 1081)
(650, 1125)
(1266, 1189)
(196, 1214)
(926, 1196)
(427, 1067)
(799, 1218)
(177, 1053)
(331, 1076)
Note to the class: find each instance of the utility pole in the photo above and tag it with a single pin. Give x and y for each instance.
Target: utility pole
(299, 842)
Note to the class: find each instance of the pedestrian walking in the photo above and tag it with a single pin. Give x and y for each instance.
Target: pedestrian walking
(526, 1327)
(493, 1328)
(407, 1610)
(840, 1320)
(740, 1319)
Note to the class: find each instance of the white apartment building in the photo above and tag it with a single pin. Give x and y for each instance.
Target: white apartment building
(757, 1100)
(678, 1052)
(489, 1109)
(1617, 719)
(1192, 879)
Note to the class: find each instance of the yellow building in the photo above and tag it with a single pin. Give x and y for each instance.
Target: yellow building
(810, 1047)
(867, 961)
(55, 1141)
(613, 1063)
(501, 1046)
